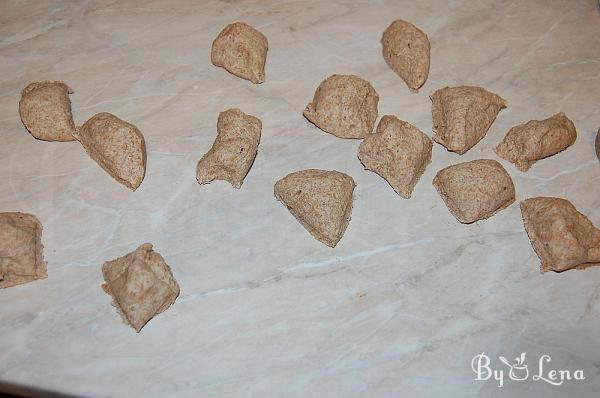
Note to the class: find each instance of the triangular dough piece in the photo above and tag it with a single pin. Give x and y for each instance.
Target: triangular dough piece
(117, 146)
(399, 152)
(320, 200)
(462, 115)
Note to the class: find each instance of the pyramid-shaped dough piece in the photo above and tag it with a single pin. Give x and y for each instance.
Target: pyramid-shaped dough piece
(241, 50)
(537, 139)
(117, 146)
(398, 152)
(21, 258)
(45, 110)
(345, 106)
(407, 50)
(320, 200)
(462, 116)
(475, 190)
(141, 285)
(562, 237)
(233, 151)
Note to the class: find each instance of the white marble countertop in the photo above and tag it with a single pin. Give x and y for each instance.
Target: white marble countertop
(407, 298)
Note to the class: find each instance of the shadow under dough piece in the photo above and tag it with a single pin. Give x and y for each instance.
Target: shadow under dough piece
(475, 190)
(527, 143)
(407, 50)
(117, 146)
(233, 151)
(242, 51)
(320, 200)
(345, 106)
(45, 110)
(21, 257)
(562, 237)
(141, 285)
(398, 152)
(462, 116)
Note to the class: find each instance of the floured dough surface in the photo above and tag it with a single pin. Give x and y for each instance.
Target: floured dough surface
(345, 106)
(537, 139)
(562, 237)
(45, 110)
(320, 200)
(398, 152)
(21, 258)
(462, 115)
(141, 285)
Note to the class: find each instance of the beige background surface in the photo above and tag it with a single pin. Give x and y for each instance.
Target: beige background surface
(406, 299)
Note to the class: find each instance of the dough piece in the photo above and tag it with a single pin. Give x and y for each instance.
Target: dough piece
(475, 190)
(398, 152)
(527, 143)
(21, 258)
(320, 200)
(141, 285)
(562, 237)
(345, 106)
(407, 50)
(462, 116)
(117, 146)
(45, 110)
(241, 50)
(233, 151)
(598, 144)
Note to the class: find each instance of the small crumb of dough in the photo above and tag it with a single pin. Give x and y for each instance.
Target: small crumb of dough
(320, 200)
(398, 152)
(117, 146)
(407, 50)
(462, 115)
(475, 190)
(562, 237)
(345, 106)
(242, 51)
(233, 151)
(45, 110)
(21, 257)
(141, 285)
(527, 143)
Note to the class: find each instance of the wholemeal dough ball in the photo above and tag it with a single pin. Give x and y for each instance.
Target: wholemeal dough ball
(462, 116)
(537, 139)
(562, 237)
(117, 146)
(141, 285)
(320, 200)
(233, 151)
(241, 50)
(21, 259)
(398, 152)
(475, 190)
(45, 110)
(345, 106)
(406, 49)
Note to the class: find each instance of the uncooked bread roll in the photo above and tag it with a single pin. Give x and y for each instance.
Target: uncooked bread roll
(141, 285)
(475, 190)
(320, 200)
(345, 106)
(406, 50)
(233, 151)
(527, 143)
(241, 50)
(562, 237)
(462, 116)
(45, 110)
(398, 152)
(117, 146)
(21, 258)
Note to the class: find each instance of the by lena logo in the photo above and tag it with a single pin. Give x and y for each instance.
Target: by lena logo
(519, 370)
